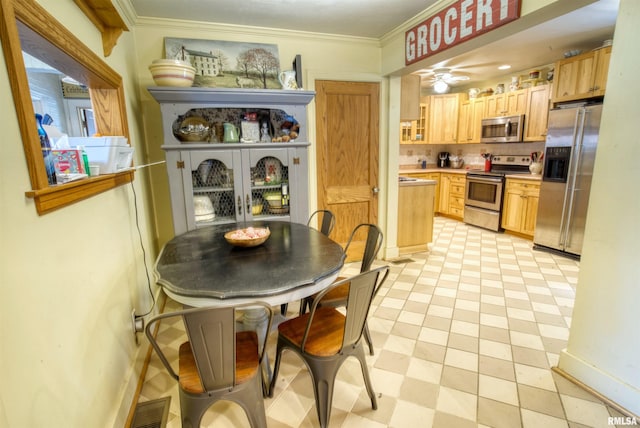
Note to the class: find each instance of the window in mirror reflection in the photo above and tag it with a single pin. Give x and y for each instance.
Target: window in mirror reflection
(63, 102)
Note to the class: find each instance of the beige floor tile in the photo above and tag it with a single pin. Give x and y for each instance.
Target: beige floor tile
(408, 414)
(585, 412)
(459, 403)
(496, 367)
(498, 389)
(541, 401)
(497, 414)
(494, 349)
(531, 419)
(459, 379)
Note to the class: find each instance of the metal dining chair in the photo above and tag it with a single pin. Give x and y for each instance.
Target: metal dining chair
(338, 296)
(327, 221)
(217, 363)
(325, 337)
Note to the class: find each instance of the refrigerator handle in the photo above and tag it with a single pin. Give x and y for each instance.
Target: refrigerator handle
(575, 164)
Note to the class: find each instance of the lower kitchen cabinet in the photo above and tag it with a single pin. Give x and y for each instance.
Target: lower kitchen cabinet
(435, 176)
(452, 194)
(415, 216)
(520, 206)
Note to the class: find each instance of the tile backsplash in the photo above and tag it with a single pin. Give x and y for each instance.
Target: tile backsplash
(412, 155)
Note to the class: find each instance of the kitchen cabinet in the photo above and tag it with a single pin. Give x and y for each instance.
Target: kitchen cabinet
(470, 118)
(434, 176)
(415, 216)
(238, 181)
(235, 179)
(443, 118)
(581, 76)
(537, 113)
(413, 132)
(520, 206)
(410, 98)
(452, 188)
(506, 104)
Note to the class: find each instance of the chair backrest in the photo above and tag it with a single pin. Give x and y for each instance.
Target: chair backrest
(211, 332)
(362, 289)
(372, 246)
(212, 337)
(327, 222)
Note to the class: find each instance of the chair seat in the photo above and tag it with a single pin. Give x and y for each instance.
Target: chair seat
(325, 336)
(247, 362)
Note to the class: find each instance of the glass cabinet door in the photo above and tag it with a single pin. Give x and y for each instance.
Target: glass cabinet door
(213, 178)
(269, 184)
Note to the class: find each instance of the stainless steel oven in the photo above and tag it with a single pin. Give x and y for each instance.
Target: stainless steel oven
(483, 200)
(484, 190)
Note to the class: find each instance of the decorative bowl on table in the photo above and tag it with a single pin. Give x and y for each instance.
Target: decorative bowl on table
(247, 237)
(172, 72)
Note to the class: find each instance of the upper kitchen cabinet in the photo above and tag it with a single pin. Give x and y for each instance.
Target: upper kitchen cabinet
(410, 98)
(581, 76)
(413, 132)
(470, 118)
(506, 104)
(537, 112)
(443, 118)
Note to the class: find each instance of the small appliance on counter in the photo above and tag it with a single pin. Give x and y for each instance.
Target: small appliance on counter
(443, 159)
(456, 162)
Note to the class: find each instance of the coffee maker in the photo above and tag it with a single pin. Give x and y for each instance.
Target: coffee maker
(443, 159)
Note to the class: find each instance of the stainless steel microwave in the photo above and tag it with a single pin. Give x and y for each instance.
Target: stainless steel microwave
(504, 129)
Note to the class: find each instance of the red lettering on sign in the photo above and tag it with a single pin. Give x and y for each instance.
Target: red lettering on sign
(462, 21)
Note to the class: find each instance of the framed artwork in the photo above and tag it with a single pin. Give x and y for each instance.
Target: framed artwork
(223, 64)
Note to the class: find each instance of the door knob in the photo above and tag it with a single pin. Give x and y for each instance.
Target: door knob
(375, 190)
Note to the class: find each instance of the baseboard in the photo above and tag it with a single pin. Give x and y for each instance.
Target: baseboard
(613, 391)
(161, 300)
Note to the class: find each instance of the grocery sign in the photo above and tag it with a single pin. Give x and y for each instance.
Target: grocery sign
(457, 23)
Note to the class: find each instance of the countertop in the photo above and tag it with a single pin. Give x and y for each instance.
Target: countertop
(405, 171)
(417, 182)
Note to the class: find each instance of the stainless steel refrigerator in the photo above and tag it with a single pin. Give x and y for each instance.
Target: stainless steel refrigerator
(569, 155)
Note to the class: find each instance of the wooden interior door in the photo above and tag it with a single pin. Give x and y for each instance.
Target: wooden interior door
(347, 136)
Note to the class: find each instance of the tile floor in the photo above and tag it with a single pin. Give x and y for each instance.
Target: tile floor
(464, 336)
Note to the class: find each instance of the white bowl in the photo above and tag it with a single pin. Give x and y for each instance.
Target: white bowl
(172, 72)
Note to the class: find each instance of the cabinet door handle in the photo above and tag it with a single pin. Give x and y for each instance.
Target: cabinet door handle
(248, 204)
(239, 205)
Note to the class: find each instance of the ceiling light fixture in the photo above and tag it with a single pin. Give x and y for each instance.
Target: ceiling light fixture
(440, 86)
(504, 67)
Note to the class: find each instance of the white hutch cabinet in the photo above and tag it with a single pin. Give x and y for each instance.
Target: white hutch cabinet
(212, 182)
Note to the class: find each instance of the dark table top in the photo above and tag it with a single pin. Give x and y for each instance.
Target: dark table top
(201, 264)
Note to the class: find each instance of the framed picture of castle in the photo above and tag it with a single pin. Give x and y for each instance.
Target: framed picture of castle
(223, 64)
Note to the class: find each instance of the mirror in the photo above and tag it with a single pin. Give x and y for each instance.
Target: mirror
(64, 102)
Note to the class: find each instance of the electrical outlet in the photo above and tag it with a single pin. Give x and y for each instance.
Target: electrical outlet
(138, 325)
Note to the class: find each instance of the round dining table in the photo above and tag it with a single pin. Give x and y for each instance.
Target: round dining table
(200, 268)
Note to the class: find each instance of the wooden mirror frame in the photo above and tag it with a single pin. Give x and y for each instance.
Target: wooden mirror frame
(26, 26)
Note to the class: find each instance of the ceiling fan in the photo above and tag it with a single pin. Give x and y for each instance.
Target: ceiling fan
(443, 77)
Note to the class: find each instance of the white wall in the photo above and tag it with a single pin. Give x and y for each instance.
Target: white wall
(69, 279)
(604, 343)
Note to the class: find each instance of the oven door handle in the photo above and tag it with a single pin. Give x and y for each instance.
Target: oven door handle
(484, 179)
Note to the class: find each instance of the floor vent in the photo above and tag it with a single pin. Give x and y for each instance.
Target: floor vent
(402, 261)
(152, 414)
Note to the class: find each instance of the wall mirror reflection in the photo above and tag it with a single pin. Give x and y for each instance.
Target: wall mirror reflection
(63, 102)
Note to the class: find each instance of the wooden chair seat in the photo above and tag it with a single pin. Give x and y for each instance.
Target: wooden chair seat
(325, 336)
(247, 362)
